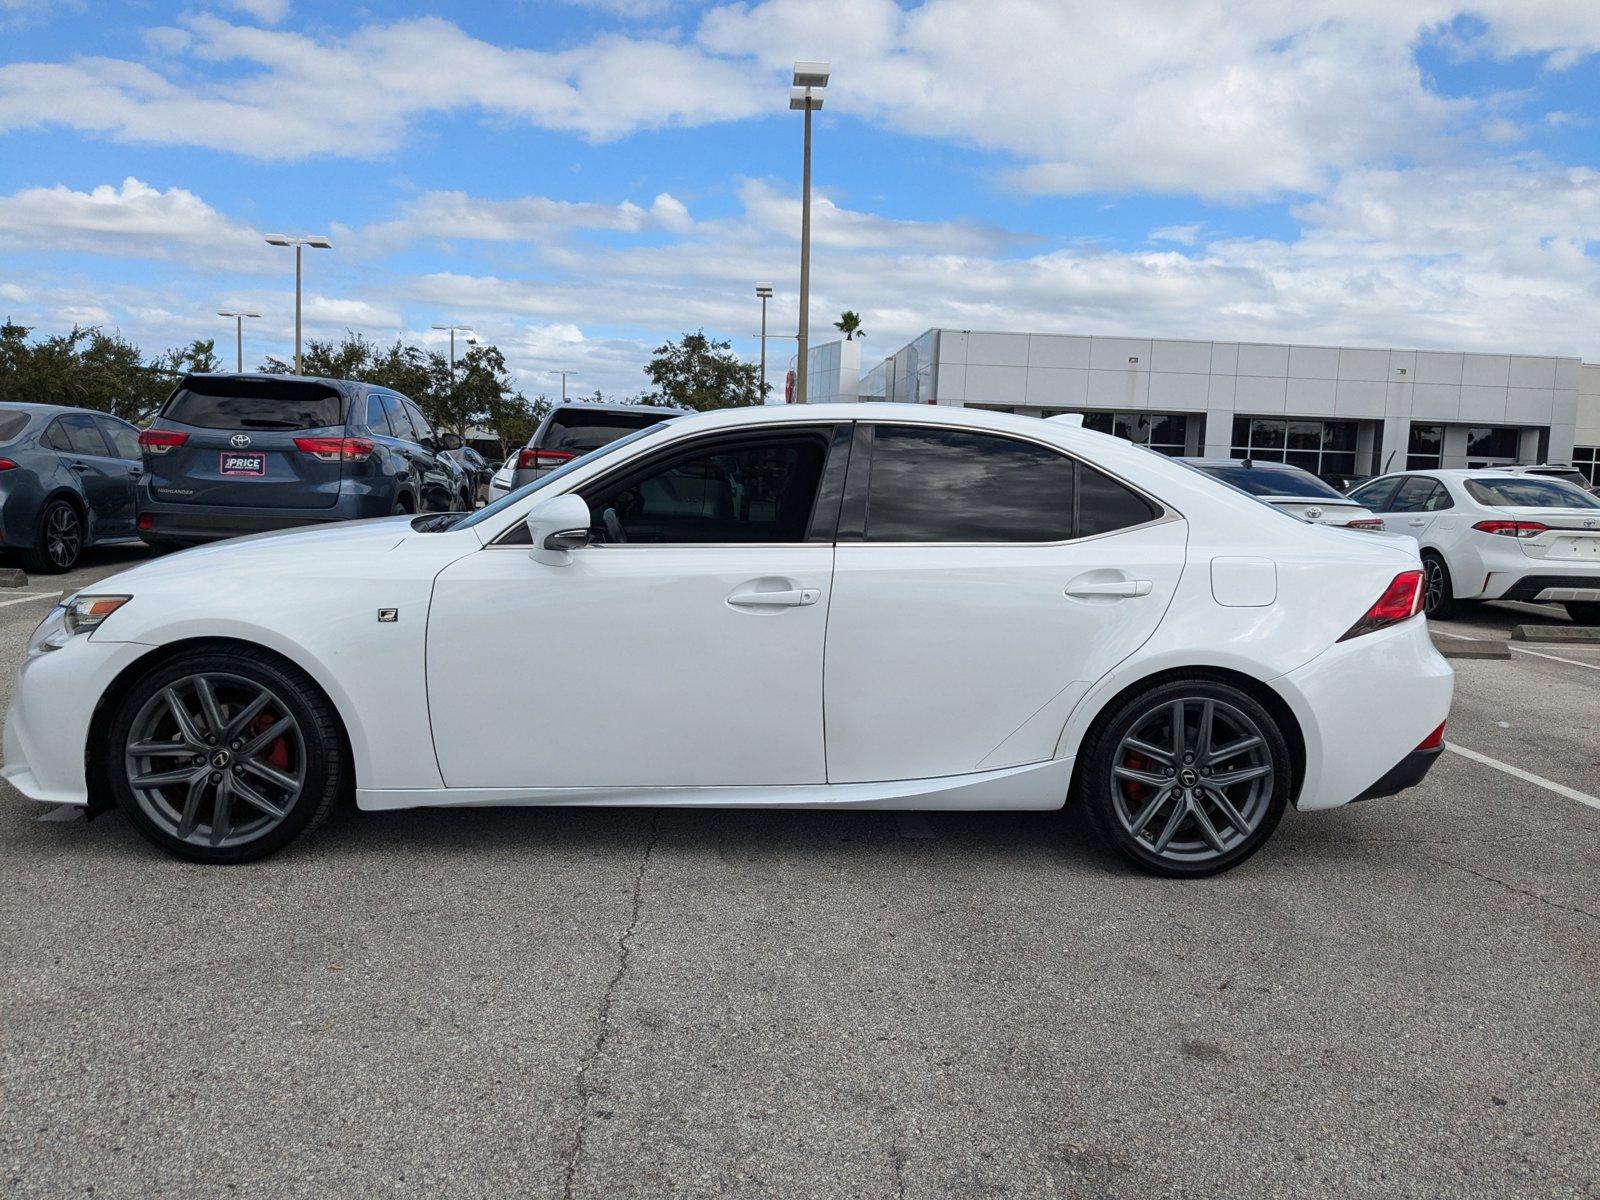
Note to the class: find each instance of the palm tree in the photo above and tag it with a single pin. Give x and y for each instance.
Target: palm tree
(849, 324)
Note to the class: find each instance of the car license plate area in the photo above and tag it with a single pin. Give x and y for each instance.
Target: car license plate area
(235, 463)
(1586, 547)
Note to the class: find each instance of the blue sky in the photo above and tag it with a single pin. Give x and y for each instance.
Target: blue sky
(580, 181)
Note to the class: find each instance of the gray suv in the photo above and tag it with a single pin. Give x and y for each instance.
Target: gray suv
(568, 431)
(236, 454)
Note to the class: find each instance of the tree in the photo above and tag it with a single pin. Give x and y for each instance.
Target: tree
(849, 324)
(87, 368)
(702, 374)
(512, 418)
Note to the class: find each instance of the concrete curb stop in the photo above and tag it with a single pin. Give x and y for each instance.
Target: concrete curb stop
(1556, 633)
(13, 577)
(1473, 649)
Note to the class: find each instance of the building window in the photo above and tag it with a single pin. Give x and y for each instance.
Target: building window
(1167, 433)
(1587, 460)
(1492, 441)
(1425, 450)
(1321, 447)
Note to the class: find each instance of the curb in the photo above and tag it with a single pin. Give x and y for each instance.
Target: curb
(11, 577)
(1454, 649)
(1556, 633)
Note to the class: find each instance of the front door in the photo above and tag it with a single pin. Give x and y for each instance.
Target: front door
(982, 584)
(683, 647)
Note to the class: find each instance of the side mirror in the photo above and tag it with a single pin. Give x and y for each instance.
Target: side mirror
(557, 527)
(451, 441)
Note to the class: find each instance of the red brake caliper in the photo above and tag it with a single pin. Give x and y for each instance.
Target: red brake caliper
(278, 756)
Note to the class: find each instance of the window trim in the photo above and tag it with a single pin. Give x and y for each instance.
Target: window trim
(856, 489)
(829, 430)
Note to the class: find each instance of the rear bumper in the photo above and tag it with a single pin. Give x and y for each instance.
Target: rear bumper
(1568, 585)
(1406, 773)
(193, 524)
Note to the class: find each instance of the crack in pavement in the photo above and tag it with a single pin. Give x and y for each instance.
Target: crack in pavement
(1520, 891)
(603, 1030)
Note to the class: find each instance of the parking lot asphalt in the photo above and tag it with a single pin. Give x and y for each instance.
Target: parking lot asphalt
(1398, 998)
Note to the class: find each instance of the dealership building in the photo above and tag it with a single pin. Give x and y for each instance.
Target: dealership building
(1330, 409)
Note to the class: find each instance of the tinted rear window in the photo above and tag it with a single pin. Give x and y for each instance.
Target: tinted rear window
(1529, 491)
(255, 404)
(1259, 481)
(581, 430)
(11, 424)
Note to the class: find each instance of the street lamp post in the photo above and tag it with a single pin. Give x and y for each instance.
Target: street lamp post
(317, 242)
(809, 77)
(564, 375)
(238, 336)
(466, 329)
(764, 290)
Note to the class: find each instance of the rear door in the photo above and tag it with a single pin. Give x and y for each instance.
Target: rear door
(104, 478)
(982, 583)
(254, 443)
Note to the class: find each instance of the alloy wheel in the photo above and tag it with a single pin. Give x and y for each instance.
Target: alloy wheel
(63, 536)
(216, 759)
(1433, 574)
(1192, 779)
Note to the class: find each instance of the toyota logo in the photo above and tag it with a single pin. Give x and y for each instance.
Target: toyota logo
(239, 441)
(1588, 522)
(1313, 513)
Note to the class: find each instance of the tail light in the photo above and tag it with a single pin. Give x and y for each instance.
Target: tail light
(335, 449)
(146, 523)
(1516, 529)
(161, 441)
(1364, 523)
(1434, 741)
(7, 465)
(527, 459)
(1400, 601)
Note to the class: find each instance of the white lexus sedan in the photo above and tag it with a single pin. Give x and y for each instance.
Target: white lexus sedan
(868, 606)
(1485, 534)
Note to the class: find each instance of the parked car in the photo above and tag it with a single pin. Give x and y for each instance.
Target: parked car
(984, 611)
(478, 469)
(1568, 473)
(1289, 489)
(237, 454)
(571, 430)
(1490, 535)
(67, 480)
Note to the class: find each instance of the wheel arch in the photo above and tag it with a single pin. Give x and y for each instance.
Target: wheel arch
(94, 757)
(1087, 722)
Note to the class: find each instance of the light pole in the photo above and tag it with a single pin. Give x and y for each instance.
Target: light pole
(564, 375)
(238, 336)
(471, 339)
(809, 77)
(316, 241)
(764, 290)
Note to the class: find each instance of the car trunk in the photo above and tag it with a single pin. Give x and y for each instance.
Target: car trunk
(1318, 511)
(1572, 534)
(246, 444)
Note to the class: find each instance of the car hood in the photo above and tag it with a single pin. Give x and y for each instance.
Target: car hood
(279, 554)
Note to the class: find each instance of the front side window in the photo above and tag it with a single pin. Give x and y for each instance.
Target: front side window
(749, 491)
(419, 422)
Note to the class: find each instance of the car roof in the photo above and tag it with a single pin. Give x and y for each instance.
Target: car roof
(24, 406)
(1250, 464)
(273, 377)
(607, 406)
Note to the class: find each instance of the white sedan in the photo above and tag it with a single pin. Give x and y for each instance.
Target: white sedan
(1486, 534)
(868, 606)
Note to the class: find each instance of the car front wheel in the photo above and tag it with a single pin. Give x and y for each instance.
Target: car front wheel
(225, 755)
(61, 538)
(1188, 779)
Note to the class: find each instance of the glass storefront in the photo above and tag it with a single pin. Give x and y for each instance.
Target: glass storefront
(1321, 447)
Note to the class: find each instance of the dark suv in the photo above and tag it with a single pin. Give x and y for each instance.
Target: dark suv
(236, 454)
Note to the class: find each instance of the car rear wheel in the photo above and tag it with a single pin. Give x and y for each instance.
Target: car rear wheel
(225, 755)
(1584, 612)
(1439, 596)
(60, 542)
(1186, 780)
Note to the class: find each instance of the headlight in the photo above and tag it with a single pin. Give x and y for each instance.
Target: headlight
(81, 614)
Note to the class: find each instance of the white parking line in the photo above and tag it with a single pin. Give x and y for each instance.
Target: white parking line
(1462, 637)
(30, 596)
(1549, 785)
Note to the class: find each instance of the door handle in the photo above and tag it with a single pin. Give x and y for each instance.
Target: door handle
(1124, 587)
(792, 598)
(1416, 521)
(78, 466)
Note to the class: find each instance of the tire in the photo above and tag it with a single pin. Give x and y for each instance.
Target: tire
(1584, 612)
(1161, 811)
(60, 540)
(1439, 595)
(402, 506)
(295, 735)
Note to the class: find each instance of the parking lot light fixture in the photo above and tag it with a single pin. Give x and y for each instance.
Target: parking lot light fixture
(809, 79)
(316, 241)
(472, 340)
(238, 336)
(764, 291)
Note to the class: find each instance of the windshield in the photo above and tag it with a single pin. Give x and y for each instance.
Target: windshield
(557, 475)
(1528, 491)
(1272, 481)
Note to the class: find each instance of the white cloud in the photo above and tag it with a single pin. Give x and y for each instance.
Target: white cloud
(1182, 235)
(778, 212)
(134, 220)
(268, 12)
(450, 215)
